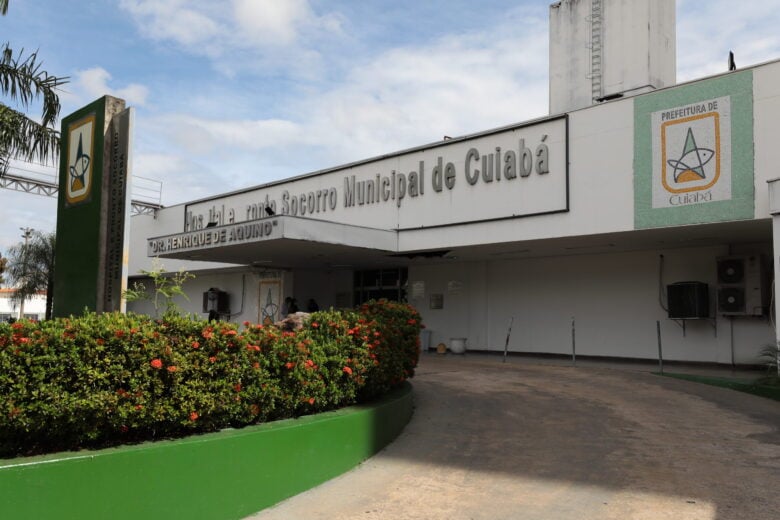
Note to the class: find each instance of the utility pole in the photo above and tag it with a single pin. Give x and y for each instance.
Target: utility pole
(26, 235)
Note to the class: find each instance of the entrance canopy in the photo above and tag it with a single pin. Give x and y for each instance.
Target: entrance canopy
(278, 241)
(296, 242)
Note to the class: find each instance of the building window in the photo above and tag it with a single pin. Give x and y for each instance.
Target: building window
(380, 283)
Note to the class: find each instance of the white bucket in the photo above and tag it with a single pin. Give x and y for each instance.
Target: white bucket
(458, 345)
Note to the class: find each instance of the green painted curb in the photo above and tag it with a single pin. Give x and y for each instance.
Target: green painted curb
(229, 474)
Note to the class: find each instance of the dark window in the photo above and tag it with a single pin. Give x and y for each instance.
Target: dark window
(375, 284)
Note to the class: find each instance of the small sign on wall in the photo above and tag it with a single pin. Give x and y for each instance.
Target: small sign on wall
(437, 301)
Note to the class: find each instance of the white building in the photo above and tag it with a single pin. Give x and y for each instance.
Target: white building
(34, 307)
(586, 215)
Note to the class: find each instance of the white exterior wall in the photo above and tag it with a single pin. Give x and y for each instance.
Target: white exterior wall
(639, 45)
(232, 283)
(570, 64)
(766, 110)
(614, 299)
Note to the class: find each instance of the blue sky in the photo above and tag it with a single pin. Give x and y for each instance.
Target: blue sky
(235, 93)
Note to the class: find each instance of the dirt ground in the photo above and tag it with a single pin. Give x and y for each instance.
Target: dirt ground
(538, 441)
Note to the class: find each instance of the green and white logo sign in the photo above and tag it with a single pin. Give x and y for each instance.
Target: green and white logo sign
(80, 151)
(693, 153)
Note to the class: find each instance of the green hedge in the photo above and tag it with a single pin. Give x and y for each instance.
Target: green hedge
(100, 380)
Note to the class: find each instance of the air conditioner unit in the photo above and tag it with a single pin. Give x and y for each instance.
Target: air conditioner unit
(742, 286)
(688, 300)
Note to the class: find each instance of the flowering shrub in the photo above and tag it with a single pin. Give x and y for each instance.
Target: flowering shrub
(101, 380)
(391, 332)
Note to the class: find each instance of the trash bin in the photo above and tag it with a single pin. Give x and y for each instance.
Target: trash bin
(425, 340)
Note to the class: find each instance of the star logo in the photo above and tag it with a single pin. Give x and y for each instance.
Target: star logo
(690, 150)
(79, 169)
(270, 309)
(78, 182)
(690, 166)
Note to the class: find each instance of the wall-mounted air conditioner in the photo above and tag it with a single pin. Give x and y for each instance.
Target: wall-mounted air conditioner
(688, 300)
(742, 285)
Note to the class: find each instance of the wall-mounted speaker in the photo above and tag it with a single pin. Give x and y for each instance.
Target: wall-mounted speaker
(216, 301)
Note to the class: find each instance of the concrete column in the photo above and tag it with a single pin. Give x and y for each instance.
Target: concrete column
(774, 209)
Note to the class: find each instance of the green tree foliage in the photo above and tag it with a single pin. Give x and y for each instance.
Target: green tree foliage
(3, 267)
(166, 288)
(31, 267)
(23, 82)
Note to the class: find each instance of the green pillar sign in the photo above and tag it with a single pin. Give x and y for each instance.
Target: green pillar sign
(93, 209)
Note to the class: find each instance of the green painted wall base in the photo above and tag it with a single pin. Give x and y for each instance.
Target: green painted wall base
(229, 474)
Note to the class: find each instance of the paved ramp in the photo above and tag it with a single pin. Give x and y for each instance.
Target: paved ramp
(530, 441)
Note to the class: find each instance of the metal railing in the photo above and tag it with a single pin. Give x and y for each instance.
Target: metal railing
(145, 195)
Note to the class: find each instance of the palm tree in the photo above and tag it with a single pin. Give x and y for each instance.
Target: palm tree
(31, 267)
(22, 82)
(3, 266)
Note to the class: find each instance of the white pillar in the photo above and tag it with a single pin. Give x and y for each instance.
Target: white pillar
(774, 209)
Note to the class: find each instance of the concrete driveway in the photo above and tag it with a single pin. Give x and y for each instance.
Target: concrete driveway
(526, 440)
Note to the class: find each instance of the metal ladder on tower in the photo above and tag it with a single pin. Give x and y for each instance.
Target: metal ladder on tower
(595, 49)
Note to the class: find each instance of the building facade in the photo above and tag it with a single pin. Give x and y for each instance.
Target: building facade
(647, 211)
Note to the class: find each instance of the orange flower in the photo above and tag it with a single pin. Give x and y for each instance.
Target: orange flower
(237, 387)
(213, 359)
(315, 325)
(347, 370)
(156, 363)
(100, 341)
(229, 332)
(172, 368)
(194, 416)
(119, 333)
(311, 400)
(289, 365)
(195, 344)
(208, 332)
